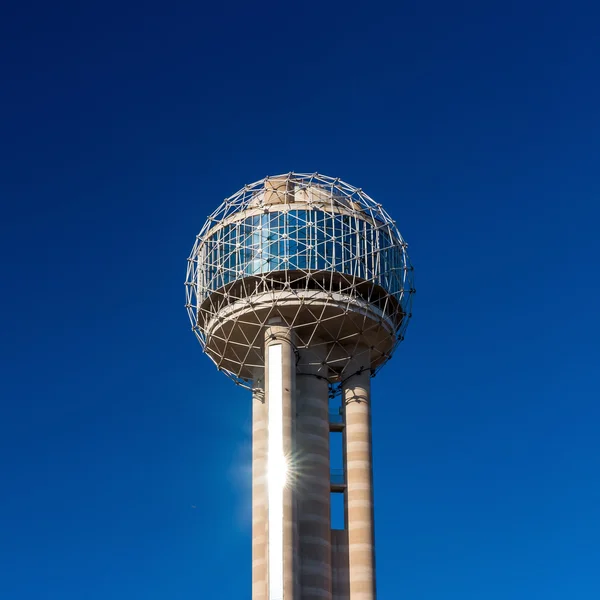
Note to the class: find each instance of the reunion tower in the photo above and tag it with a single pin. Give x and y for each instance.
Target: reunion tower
(299, 287)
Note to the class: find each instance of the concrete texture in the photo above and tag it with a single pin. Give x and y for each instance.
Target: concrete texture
(313, 485)
(318, 563)
(340, 571)
(259, 489)
(278, 334)
(357, 400)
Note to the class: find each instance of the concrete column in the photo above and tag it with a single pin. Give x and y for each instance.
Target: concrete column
(259, 489)
(357, 401)
(339, 565)
(313, 483)
(280, 383)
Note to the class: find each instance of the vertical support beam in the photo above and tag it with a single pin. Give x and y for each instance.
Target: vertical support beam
(357, 400)
(339, 565)
(259, 488)
(313, 474)
(280, 380)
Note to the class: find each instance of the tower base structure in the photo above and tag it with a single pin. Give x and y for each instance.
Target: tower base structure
(296, 555)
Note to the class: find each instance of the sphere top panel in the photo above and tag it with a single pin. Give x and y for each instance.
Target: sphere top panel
(312, 251)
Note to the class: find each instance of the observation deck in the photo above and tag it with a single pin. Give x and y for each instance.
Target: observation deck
(312, 251)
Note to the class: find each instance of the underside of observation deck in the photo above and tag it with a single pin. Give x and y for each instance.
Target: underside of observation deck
(324, 309)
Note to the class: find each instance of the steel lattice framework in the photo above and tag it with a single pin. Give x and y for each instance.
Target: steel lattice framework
(307, 250)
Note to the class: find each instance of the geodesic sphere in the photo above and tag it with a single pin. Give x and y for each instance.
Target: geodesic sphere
(307, 251)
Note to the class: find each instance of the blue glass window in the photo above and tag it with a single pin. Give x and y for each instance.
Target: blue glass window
(308, 239)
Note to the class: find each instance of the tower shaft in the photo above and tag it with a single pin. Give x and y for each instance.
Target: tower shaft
(359, 474)
(259, 490)
(312, 481)
(295, 553)
(282, 522)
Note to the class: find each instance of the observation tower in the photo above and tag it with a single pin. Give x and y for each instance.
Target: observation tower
(299, 287)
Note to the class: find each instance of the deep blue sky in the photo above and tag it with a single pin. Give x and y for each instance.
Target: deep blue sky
(124, 455)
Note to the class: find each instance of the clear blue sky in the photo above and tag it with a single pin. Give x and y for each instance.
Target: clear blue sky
(124, 455)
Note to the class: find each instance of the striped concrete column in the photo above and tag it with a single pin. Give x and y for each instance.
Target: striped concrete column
(280, 384)
(359, 474)
(313, 483)
(340, 577)
(259, 489)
